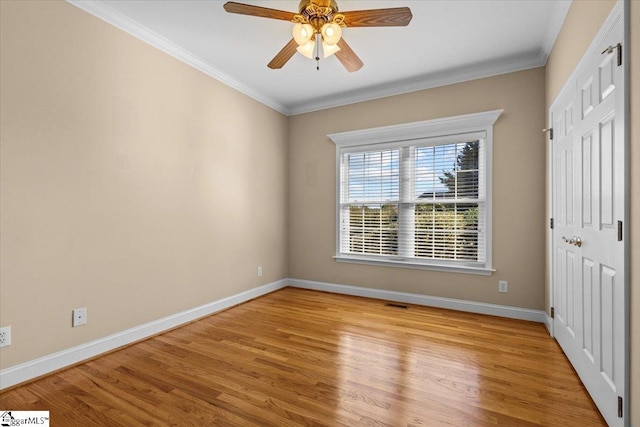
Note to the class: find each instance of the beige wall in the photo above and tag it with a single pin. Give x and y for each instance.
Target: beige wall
(138, 187)
(518, 190)
(582, 24)
(580, 27)
(131, 184)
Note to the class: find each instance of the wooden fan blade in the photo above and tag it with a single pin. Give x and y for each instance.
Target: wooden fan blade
(262, 12)
(348, 57)
(393, 17)
(284, 55)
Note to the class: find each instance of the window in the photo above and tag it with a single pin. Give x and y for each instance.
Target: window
(417, 195)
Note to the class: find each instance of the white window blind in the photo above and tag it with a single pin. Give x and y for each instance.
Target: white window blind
(449, 202)
(419, 202)
(371, 207)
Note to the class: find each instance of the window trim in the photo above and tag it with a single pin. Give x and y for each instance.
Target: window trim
(445, 128)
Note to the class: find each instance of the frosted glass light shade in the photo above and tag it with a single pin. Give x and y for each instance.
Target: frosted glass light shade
(307, 49)
(302, 33)
(329, 49)
(331, 33)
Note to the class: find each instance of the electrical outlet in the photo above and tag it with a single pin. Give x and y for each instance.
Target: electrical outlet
(5, 336)
(503, 286)
(259, 271)
(79, 317)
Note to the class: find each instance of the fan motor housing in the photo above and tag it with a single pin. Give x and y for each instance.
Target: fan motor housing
(318, 8)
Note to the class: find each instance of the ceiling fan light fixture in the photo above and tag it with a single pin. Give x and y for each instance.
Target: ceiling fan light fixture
(307, 49)
(331, 33)
(302, 33)
(329, 49)
(318, 25)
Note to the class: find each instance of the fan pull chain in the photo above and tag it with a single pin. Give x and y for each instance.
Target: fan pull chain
(318, 36)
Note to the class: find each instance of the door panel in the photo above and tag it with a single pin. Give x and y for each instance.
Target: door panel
(607, 170)
(587, 186)
(607, 299)
(570, 293)
(588, 201)
(587, 307)
(568, 196)
(587, 97)
(564, 189)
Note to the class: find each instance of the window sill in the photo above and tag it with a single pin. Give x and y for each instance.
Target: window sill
(483, 271)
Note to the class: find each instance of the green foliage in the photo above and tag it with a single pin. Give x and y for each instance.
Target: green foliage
(442, 231)
(374, 229)
(445, 230)
(462, 181)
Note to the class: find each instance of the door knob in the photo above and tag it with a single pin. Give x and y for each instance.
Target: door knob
(576, 241)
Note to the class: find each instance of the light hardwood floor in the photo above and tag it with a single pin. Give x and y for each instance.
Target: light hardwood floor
(299, 357)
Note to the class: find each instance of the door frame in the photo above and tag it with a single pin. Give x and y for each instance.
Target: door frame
(620, 11)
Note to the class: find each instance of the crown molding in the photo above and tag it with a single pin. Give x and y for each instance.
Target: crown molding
(442, 78)
(126, 24)
(447, 77)
(488, 69)
(561, 9)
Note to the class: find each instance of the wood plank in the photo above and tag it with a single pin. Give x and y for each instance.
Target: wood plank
(348, 57)
(284, 55)
(300, 357)
(258, 11)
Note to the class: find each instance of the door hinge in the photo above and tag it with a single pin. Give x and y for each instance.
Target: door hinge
(551, 222)
(553, 313)
(550, 130)
(618, 48)
(620, 407)
(619, 231)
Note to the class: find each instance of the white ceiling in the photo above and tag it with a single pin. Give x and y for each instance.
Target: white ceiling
(447, 41)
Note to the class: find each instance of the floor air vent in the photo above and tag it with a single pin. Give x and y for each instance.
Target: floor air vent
(391, 304)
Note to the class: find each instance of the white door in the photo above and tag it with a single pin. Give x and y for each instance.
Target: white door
(588, 199)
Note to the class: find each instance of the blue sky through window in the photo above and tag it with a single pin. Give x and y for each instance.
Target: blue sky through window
(431, 164)
(374, 175)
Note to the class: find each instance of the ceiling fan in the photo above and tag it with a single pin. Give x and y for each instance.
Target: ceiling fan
(319, 25)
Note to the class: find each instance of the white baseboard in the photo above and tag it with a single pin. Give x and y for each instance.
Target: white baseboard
(62, 359)
(548, 322)
(53, 362)
(450, 303)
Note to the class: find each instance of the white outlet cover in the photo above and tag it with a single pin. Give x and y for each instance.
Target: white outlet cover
(503, 286)
(5, 336)
(79, 317)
